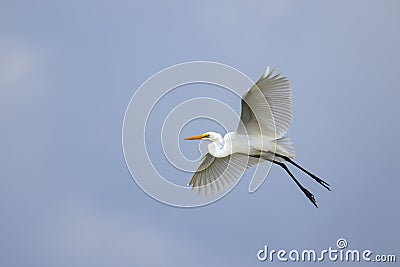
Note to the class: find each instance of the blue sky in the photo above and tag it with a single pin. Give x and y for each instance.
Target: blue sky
(69, 69)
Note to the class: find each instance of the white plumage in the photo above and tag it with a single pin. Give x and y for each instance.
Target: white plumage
(265, 118)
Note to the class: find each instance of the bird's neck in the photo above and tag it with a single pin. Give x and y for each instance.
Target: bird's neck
(219, 148)
(219, 143)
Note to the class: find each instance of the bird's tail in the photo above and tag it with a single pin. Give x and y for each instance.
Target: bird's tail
(284, 146)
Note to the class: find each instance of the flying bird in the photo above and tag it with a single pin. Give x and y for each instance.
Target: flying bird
(260, 136)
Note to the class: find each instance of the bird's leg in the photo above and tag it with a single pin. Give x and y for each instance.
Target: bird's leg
(308, 194)
(316, 178)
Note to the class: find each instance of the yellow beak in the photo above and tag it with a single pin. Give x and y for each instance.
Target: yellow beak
(196, 137)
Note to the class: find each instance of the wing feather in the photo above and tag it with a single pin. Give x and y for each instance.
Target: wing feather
(267, 107)
(215, 173)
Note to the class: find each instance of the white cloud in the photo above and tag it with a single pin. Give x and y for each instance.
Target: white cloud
(18, 62)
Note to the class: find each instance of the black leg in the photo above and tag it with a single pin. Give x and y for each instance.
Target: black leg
(316, 178)
(308, 194)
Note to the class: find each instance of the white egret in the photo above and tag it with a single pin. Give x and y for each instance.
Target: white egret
(265, 118)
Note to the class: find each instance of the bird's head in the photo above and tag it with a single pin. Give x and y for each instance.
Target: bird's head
(208, 136)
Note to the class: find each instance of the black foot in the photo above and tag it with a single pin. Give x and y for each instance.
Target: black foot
(321, 182)
(310, 196)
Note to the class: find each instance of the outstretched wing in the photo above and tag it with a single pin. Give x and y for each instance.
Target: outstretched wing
(215, 173)
(267, 107)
